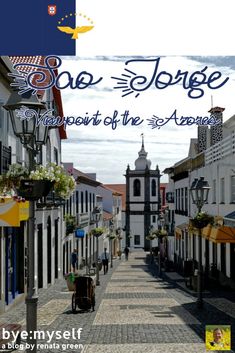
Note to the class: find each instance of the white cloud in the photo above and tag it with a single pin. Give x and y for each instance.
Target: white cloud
(114, 149)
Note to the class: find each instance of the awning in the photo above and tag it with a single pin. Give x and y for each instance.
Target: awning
(12, 212)
(206, 231)
(222, 234)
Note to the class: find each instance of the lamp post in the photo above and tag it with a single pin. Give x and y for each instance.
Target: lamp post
(23, 112)
(119, 232)
(199, 192)
(159, 246)
(111, 252)
(150, 243)
(111, 227)
(97, 215)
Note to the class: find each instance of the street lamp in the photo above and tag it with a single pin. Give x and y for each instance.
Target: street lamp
(119, 233)
(23, 112)
(111, 227)
(160, 226)
(97, 215)
(199, 192)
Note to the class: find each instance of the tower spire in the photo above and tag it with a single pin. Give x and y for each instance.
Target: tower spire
(142, 135)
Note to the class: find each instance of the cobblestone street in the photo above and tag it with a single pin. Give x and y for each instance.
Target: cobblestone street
(136, 311)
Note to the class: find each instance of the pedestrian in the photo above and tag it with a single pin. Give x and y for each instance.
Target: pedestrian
(126, 251)
(74, 259)
(105, 260)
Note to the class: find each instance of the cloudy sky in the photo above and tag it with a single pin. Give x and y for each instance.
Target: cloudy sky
(106, 151)
(176, 31)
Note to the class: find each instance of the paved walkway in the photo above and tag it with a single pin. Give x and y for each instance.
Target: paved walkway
(136, 312)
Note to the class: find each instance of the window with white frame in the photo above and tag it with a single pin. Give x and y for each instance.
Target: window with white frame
(233, 188)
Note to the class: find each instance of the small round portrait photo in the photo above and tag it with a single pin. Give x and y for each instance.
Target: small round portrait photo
(218, 337)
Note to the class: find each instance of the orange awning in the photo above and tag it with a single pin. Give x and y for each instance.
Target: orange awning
(222, 234)
(12, 212)
(206, 231)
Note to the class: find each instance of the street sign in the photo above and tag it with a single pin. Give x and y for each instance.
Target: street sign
(79, 233)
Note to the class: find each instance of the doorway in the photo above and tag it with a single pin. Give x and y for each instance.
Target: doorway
(40, 257)
(56, 248)
(49, 250)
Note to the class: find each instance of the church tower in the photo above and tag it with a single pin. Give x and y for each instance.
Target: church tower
(142, 200)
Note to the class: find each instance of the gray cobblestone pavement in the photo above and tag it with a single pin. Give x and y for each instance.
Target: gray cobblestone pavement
(135, 312)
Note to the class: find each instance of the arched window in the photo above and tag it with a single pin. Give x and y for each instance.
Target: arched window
(154, 187)
(136, 187)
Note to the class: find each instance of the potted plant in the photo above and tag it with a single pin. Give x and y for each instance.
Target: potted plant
(10, 181)
(160, 233)
(34, 189)
(36, 184)
(151, 237)
(97, 232)
(64, 184)
(70, 222)
(201, 220)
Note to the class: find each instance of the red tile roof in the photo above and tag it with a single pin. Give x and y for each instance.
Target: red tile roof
(39, 60)
(107, 216)
(120, 188)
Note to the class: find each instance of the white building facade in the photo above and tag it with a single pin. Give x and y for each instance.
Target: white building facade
(212, 157)
(48, 224)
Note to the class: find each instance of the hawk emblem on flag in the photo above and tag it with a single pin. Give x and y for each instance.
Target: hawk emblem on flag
(85, 24)
(74, 31)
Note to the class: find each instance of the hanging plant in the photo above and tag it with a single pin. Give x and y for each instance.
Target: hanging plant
(112, 236)
(160, 233)
(151, 237)
(201, 220)
(70, 222)
(97, 232)
(10, 181)
(64, 184)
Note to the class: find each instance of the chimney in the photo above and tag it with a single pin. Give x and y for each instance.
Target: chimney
(216, 131)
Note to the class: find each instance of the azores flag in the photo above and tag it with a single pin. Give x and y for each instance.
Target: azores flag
(40, 27)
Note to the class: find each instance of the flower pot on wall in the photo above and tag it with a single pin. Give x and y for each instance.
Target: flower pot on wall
(33, 190)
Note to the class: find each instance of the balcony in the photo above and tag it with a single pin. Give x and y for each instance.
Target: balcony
(220, 150)
(83, 219)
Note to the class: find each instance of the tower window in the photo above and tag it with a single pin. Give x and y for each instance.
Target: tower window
(154, 187)
(136, 187)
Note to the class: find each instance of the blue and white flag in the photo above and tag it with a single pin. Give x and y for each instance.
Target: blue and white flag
(41, 27)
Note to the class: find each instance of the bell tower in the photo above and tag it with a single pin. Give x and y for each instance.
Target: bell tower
(142, 200)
